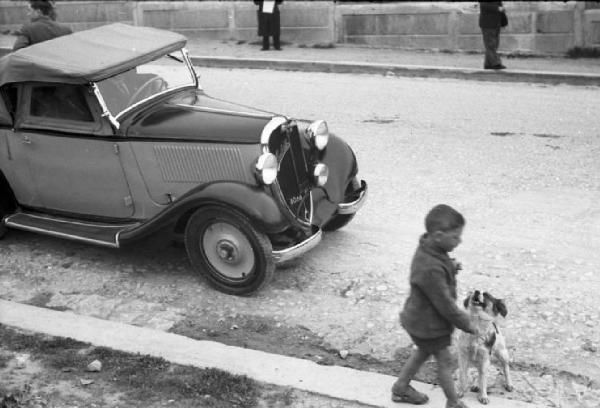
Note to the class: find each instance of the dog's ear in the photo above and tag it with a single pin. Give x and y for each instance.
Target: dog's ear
(500, 307)
(466, 301)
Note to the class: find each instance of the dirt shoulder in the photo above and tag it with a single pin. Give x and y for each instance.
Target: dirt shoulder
(133, 288)
(40, 371)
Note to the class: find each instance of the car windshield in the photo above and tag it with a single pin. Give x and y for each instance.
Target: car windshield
(144, 81)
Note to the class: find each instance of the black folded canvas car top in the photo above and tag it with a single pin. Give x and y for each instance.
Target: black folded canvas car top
(89, 55)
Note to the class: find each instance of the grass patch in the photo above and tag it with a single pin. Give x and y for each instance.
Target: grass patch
(324, 46)
(583, 52)
(139, 378)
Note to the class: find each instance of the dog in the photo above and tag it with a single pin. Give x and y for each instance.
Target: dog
(478, 350)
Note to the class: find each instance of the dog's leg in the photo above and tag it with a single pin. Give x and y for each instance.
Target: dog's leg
(482, 368)
(502, 356)
(463, 372)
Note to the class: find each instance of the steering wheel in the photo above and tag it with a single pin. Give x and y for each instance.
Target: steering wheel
(145, 87)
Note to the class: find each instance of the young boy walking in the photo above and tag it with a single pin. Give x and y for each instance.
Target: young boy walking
(430, 313)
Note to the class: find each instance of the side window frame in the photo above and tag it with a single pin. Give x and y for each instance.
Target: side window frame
(25, 120)
(8, 106)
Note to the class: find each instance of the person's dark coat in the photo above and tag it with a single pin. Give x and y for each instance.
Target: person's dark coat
(268, 23)
(38, 30)
(490, 14)
(430, 310)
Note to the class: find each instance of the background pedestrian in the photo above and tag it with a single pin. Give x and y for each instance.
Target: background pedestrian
(42, 26)
(269, 22)
(491, 18)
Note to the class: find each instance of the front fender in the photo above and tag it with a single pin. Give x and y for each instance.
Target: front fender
(340, 159)
(254, 202)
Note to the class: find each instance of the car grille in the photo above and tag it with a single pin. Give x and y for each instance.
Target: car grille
(293, 178)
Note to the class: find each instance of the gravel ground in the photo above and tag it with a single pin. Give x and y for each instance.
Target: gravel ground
(525, 174)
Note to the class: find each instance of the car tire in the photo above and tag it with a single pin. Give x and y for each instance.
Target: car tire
(341, 220)
(2, 225)
(229, 251)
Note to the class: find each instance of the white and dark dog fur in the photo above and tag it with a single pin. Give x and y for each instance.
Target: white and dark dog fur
(478, 350)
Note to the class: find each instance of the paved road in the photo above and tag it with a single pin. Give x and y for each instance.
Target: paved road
(520, 161)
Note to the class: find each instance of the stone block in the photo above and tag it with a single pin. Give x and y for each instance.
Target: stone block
(468, 23)
(470, 42)
(396, 24)
(511, 43)
(180, 19)
(403, 41)
(309, 37)
(554, 43)
(592, 28)
(210, 34)
(202, 19)
(93, 12)
(519, 23)
(355, 25)
(595, 33)
(305, 17)
(13, 14)
(555, 22)
(246, 18)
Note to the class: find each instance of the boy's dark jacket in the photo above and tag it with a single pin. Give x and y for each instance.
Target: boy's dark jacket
(430, 310)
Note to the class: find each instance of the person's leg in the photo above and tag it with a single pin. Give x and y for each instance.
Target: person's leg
(276, 42)
(265, 42)
(496, 46)
(490, 42)
(401, 391)
(444, 366)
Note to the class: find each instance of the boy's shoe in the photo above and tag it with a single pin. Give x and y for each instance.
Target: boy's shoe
(457, 404)
(411, 396)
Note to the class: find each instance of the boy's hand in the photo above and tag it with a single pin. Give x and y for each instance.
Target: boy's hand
(475, 330)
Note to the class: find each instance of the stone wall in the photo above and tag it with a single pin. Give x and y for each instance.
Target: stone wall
(534, 27)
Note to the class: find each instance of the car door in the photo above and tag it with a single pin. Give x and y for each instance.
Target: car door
(74, 163)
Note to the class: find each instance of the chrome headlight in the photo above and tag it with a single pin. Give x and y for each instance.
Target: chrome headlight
(319, 134)
(267, 168)
(321, 174)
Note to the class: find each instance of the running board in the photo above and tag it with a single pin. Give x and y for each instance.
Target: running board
(91, 232)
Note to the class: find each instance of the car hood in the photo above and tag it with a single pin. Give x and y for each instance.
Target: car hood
(195, 116)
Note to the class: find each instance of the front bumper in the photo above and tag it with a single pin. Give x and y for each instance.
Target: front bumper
(299, 249)
(354, 206)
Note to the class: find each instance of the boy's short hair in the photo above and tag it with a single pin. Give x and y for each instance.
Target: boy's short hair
(44, 6)
(444, 218)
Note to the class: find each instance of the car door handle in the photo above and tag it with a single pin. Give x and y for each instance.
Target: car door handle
(26, 140)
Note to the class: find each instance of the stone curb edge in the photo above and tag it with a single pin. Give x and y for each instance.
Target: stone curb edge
(333, 381)
(345, 67)
(553, 78)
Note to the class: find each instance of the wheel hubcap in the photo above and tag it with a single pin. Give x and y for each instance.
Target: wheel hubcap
(228, 250)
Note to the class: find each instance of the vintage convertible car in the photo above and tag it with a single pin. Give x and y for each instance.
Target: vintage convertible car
(107, 137)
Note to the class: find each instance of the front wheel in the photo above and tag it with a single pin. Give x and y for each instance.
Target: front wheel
(2, 225)
(229, 251)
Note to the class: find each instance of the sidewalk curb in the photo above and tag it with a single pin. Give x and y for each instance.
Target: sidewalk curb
(422, 71)
(332, 381)
(345, 67)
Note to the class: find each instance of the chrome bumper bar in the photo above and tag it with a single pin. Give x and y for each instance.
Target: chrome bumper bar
(354, 206)
(298, 249)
